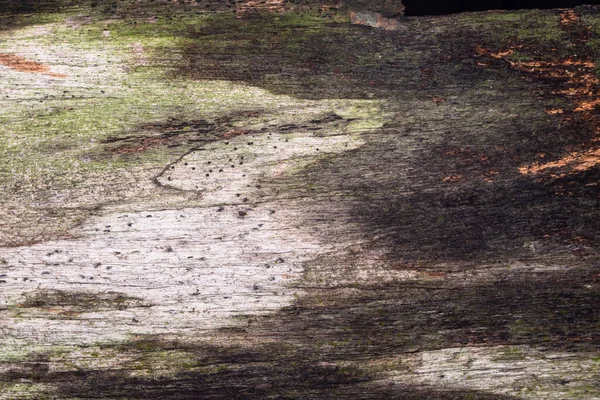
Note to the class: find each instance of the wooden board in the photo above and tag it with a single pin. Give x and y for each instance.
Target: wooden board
(235, 201)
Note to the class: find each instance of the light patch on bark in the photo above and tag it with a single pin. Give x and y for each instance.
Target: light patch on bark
(194, 268)
(225, 170)
(520, 371)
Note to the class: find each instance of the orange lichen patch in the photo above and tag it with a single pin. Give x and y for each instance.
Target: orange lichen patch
(56, 75)
(22, 64)
(557, 69)
(587, 105)
(502, 54)
(576, 91)
(579, 83)
(482, 51)
(569, 17)
(585, 79)
(577, 63)
(577, 162)
(488, 176)
(452, 178)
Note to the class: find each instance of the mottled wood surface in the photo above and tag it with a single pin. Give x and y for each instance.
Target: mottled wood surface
(244, 200)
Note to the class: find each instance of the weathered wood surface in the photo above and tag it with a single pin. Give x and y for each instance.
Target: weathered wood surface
(205, 201)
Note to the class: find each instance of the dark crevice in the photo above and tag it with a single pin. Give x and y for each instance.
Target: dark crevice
(441, 7)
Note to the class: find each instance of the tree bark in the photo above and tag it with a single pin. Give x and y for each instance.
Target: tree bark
(268, 201)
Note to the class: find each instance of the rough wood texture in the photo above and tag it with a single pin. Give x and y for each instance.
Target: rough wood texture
(243, 200)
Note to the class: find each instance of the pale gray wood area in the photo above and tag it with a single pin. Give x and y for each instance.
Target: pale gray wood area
(263, 200)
